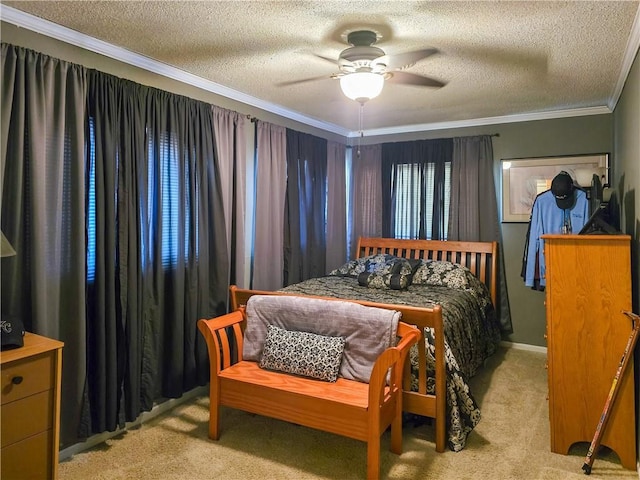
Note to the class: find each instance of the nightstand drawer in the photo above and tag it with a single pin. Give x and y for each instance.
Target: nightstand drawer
(28, 459)
(30, 409)
(26, 377)
(26, 417)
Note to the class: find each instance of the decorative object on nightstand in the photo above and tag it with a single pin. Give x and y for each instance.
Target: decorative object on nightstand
(6, 249)
(588, 288)
(11, 328)
(30, 408)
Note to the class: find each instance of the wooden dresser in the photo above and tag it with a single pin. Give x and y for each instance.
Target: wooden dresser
(588, 286)
(30, 410)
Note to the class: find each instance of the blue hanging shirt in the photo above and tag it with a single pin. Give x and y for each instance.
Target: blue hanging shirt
(547, 217)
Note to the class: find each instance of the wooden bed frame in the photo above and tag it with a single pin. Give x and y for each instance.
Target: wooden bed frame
(479, 257)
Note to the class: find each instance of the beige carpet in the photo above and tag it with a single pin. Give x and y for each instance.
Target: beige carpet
(511, 442)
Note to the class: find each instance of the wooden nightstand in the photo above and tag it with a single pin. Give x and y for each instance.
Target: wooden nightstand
(30, 411)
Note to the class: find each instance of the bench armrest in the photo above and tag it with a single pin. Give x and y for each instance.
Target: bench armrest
(224, 338)
(393, 359)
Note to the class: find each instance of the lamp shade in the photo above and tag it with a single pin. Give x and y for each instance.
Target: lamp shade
(6, 250)
(362, 86)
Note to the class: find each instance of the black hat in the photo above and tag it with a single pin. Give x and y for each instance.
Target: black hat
(562, 188)
(11, 332)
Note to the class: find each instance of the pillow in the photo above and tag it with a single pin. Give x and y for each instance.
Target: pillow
(394, 273)
(442, 273)
(302, 353)
(371, 264)
(392, 281)
(350, 269)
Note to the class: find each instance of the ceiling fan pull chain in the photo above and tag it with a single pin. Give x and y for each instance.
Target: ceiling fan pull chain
(360, 127)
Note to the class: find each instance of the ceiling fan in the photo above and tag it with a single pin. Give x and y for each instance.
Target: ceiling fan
(365, 67)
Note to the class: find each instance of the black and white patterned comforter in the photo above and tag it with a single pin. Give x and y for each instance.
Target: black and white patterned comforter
(471, 335)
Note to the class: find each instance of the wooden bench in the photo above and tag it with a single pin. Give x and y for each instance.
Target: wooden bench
(346, 407)
(420, 401)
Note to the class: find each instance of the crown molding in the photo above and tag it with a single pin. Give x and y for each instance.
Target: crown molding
(476, 122)
(64, 34)
(633, 47)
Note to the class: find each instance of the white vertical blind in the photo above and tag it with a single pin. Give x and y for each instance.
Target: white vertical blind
(408, 206)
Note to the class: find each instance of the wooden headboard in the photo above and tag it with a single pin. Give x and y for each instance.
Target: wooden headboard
(479, 257)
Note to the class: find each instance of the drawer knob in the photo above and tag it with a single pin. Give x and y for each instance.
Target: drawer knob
(17, 380)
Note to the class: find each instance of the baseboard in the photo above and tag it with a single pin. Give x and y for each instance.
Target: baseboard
(142, 418)
(524, 346)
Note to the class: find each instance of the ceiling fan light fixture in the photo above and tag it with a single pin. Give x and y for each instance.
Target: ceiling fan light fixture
(362, 86)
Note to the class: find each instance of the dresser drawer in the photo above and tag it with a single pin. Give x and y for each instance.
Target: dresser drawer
(28, 459)
(27, 376)
(26, 417)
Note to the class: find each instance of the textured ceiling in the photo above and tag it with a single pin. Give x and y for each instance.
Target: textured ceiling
(498, 59)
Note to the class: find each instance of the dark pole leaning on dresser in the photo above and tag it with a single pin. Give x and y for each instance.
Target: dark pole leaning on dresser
(624, 361)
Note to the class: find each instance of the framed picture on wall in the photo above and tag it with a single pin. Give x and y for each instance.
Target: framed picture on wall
(523, 179)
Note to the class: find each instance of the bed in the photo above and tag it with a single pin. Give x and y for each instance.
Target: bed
(458, 276)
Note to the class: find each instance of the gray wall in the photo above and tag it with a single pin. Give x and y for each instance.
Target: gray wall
(627, 174)
(627, 181)
(577, 135)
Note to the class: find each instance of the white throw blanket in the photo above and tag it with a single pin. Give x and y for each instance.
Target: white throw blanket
(368, 330)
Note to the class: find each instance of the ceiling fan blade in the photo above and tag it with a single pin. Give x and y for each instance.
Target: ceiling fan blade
(404, 60)
(407, 78)
(332, 61)
(302, 80)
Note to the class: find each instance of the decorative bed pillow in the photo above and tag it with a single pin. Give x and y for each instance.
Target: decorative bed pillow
(395, 273)
(302, 353)
(372, 264)
(349, 269)
(393, 281)
(442, 273)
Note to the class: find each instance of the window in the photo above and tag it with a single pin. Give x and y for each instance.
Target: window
(91, 205)
(172, 200)
(411, 181)
(171, 203)
(164, 186)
